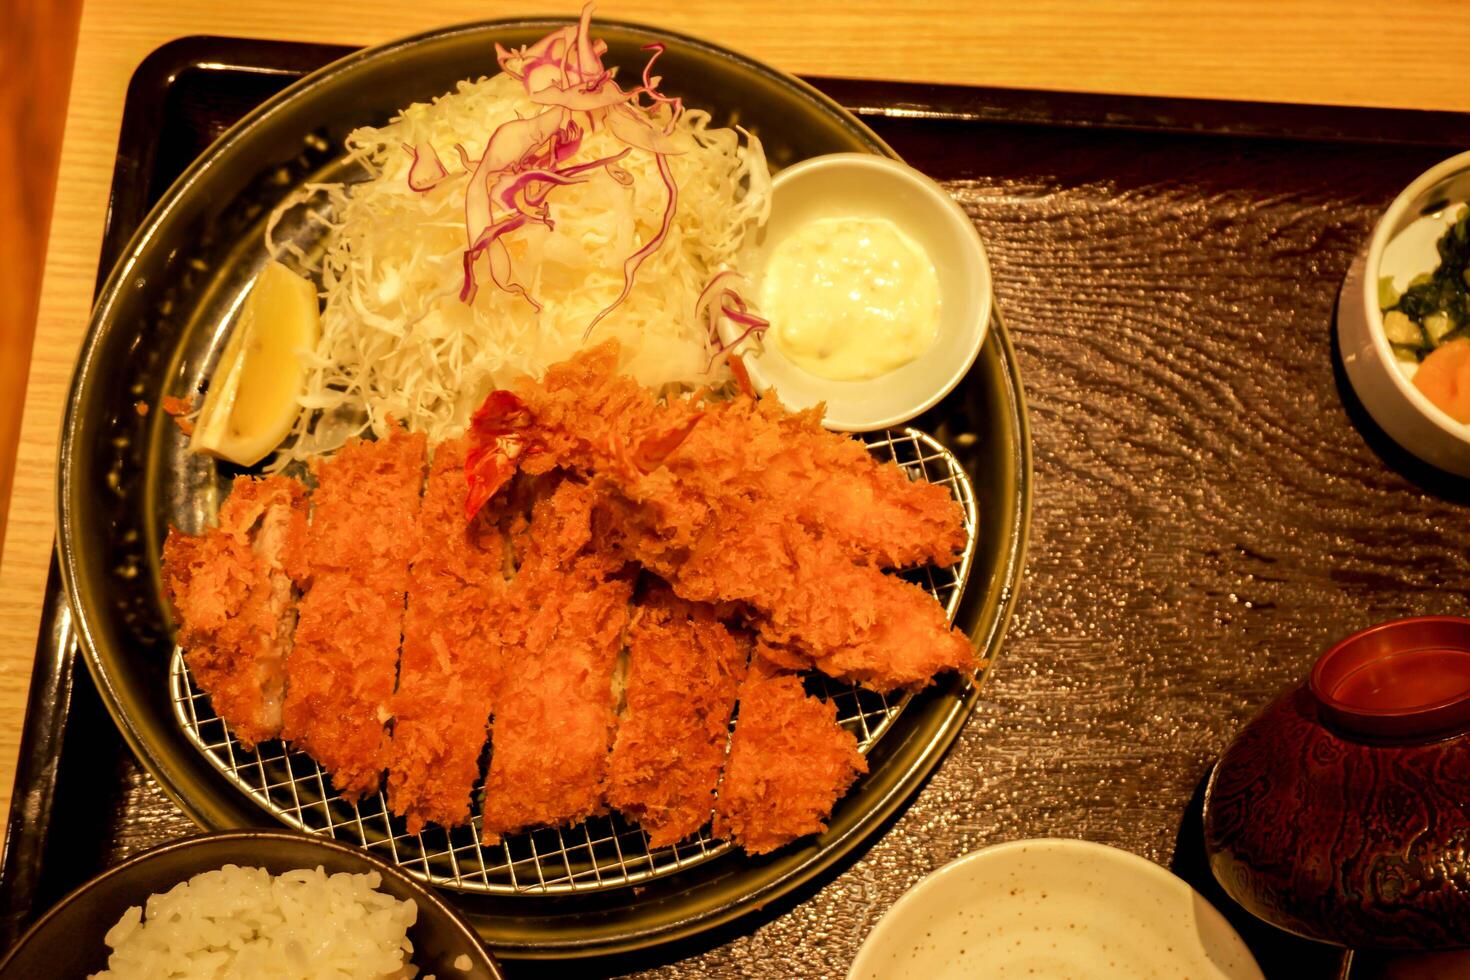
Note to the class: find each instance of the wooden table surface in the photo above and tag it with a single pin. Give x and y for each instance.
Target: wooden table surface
(1408, 54)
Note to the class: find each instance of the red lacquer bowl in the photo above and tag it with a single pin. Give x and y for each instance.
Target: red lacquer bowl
(1342, 812)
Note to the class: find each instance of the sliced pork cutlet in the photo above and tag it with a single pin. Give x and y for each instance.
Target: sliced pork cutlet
(232, 597)
(684, 668)
(554, 714)
(353, 571)
(790, 762)
(451, 661)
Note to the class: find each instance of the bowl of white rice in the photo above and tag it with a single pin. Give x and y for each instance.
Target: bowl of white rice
(251, 904)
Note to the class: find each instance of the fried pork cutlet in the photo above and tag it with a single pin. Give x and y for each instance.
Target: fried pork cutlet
(709, 498)
(554, 714)
(451, 661)
(353, 571)
(232, 597)
(789, 764)
(684, 668)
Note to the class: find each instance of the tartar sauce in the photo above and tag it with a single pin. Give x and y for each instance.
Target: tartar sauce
(850, 298)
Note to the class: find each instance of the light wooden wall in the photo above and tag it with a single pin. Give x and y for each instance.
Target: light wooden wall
(37, 44)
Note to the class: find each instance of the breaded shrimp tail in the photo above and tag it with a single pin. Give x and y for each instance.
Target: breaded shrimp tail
(584, 416)
(736, 503)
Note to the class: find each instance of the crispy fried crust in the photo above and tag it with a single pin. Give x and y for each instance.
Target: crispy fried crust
(851, 621)
(745, 511)
(232, 598)
(757, 507)
(353, 571)
(554, 715)
(789, 764)
(684, 669)
(862, 626)
(827, 483)
(451, 660)
(690, 454)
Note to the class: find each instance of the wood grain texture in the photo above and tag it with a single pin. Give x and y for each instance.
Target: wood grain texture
(1355, 51)
(37, 42)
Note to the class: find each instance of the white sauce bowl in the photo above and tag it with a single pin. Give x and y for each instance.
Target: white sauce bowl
(1053, 908)
(1402, 246)
(862, 185)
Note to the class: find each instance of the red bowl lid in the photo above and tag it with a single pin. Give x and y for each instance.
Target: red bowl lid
(1409, 678)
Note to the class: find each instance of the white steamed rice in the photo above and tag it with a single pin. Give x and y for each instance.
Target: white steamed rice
(244, 923)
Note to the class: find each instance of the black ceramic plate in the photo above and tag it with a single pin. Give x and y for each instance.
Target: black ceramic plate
(68, 940)
(158, 328)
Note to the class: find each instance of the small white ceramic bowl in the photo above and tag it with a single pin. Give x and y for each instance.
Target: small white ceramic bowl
(870, 186)
(1402, 246)
(1053, 908)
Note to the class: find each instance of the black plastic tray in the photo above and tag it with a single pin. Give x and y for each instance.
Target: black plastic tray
(1087, 204)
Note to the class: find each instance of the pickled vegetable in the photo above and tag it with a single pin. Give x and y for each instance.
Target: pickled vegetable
(1435, 309)
(1444, 378)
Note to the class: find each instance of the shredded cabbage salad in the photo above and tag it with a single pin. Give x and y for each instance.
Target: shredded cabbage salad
(509, 223)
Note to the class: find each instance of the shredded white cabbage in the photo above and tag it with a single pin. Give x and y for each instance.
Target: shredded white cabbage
(397, 342)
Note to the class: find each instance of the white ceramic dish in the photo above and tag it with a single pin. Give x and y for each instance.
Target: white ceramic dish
(872, 186)
(1402, 247)
(1053, 908)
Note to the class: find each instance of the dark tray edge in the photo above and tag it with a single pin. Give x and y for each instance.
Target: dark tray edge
(1148, 113)
(48, 709)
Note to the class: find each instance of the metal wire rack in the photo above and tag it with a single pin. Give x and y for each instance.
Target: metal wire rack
(603, 852)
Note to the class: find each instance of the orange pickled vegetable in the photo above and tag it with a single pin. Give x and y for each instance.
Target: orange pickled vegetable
(1444, 378)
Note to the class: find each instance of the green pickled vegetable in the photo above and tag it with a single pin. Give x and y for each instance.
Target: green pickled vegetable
(1387, 295)
(1436, 307)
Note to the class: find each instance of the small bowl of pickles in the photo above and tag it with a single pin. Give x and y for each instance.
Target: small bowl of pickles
(1404, 319)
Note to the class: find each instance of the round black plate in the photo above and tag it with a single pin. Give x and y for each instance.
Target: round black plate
(157, 330)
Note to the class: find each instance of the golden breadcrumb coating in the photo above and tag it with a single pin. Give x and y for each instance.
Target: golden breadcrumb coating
(733, 502)
(451, 659)
(745, 512)
(353, 571)
(684, 668)
(231, 595)
(789, 764)
(554, 714)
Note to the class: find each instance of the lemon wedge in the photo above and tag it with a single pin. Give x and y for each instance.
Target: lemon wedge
(251, 404)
